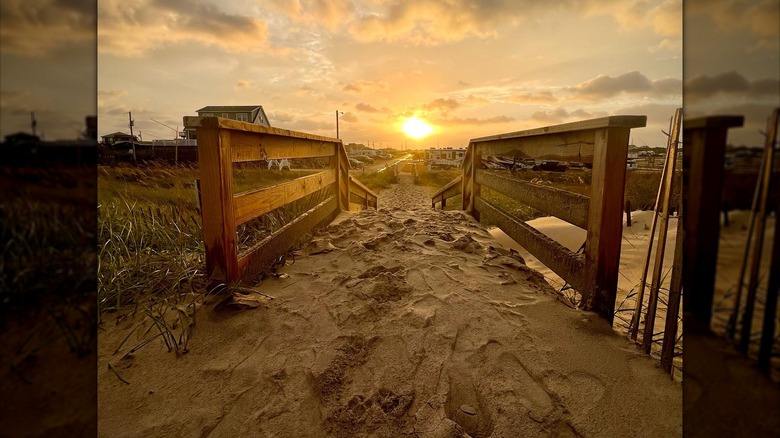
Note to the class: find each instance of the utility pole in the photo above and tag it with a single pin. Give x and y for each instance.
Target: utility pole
(33, 122)
(132, 137)
(337, 122)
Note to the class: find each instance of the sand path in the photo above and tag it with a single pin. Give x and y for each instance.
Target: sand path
(405, 321)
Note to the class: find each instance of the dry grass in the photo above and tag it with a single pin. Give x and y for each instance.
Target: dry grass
(48, 260)
(151, 257)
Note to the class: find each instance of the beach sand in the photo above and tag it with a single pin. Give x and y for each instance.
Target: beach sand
(405, 321)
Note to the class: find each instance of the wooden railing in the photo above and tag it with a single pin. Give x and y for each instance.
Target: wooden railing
(603, 142)
(222, 142)
(704, 183)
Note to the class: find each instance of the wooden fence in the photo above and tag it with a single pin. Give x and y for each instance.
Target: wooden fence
(704, 185)
(222, 142)
(603, 142)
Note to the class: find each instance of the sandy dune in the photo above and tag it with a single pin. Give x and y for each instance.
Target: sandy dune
(405, 321)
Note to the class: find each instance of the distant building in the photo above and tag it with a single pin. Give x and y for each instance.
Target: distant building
(116, 137)
(243, 113)
(444, 157)
(21, 138)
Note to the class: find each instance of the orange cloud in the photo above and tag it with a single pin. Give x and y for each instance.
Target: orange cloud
(37, 27)
(132, 28)
(362, 85)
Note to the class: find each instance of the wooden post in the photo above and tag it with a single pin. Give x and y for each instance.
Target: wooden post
(725, 214)
(703, 156)
(605, 219)
(219, 227)
(342, 177)
(628, 213)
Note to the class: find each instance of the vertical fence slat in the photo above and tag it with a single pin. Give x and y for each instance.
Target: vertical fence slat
(605, 216)
(219, 227)
(770, 306)
(766, 184)
(673, 308)
(703, 156)
(655, 285)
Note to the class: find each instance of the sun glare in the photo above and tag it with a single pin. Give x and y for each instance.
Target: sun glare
(416, 128)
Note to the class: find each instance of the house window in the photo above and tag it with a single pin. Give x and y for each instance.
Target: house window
(225, 116)
(242, 117)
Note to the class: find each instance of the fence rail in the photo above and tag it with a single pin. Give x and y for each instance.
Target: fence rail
(602, 142)
(222, 142)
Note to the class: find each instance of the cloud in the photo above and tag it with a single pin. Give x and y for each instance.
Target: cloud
(703, 86)
(13, 98)
(133, 28)
(441, 105)
(632, 82)
(37, 27)
(759, 17)
(244, 84)
(363, 85)
(607, 86)
(560, 114)
(349, 117)
(664, 17)
(330, 14)
(457, 121)
(366, 108)
(111, 94)
(531, 98)
(433, 22)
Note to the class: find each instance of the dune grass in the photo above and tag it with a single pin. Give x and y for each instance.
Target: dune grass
(47, 265)
(151, 256)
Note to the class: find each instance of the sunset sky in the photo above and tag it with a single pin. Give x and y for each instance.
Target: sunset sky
(468, 68)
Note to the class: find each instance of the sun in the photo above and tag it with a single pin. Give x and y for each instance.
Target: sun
(416, 128)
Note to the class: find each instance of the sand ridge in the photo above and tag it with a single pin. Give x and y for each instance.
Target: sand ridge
(405, 321)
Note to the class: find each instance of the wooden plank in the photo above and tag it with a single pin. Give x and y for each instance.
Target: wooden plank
(703, 155)
(261, 256)
(251, 204)
(633, 329)
(605, 214)
(466, 183)
(770, 306)
(453, 188)
(216, 181)
(252, 146)
(562, 261)
(343, 167)
(219, 122)
(357, 198)
(673, 307)
(567, 146)
(581, 125)
(655, 285)
(355, 183)
(569, 206)
(474, 187)
(566, 142)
